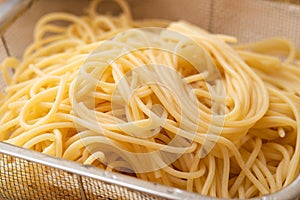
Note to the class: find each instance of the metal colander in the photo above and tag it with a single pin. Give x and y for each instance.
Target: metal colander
(25, 174)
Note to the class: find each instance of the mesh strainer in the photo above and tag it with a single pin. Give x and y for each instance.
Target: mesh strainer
(25, 174)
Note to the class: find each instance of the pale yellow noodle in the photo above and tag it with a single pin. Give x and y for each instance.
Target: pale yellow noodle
(237, 137)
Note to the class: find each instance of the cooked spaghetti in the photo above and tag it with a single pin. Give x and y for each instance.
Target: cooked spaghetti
(158, 113)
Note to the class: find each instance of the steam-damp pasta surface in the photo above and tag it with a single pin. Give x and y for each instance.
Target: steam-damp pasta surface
(195, 111)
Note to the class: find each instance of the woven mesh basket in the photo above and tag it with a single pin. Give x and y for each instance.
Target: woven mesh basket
(30, 175)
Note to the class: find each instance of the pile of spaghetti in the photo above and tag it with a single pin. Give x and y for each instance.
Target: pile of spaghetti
(234, 133)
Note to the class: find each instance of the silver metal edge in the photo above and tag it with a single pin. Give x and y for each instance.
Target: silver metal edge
(99, 174)
(291, 192)
(10, 10)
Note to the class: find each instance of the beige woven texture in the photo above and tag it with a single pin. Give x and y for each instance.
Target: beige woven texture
(248, 20)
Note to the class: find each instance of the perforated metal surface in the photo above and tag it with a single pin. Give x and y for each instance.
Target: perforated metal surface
(26, 179)
(256, 20)
(21, 179)
(95, 190)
